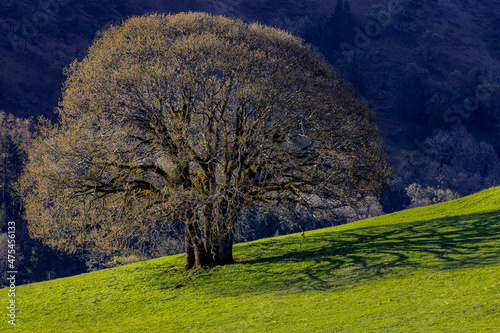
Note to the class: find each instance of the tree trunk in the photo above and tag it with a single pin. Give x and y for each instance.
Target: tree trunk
(209, 245)
(199, 254)
(225, 250)
(190, 257)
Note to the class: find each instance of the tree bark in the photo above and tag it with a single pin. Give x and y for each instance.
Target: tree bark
(197, 255)
(225, 250)
(190, 257)
(203, 254)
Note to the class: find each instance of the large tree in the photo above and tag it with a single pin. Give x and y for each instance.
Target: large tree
(193, 118)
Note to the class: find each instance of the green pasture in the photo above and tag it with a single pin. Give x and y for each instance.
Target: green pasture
(430, 269)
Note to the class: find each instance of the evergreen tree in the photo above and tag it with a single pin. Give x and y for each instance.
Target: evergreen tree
(11, 162)
(341, 25)
(329, 33)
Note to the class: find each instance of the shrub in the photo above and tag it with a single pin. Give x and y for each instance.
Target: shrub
(424, 196)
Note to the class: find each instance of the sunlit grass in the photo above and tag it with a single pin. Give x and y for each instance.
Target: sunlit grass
(429, 269)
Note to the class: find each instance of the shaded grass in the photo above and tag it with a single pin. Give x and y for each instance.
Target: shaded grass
(429, 269)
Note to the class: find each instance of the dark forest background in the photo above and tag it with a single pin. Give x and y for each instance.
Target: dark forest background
(429, 69)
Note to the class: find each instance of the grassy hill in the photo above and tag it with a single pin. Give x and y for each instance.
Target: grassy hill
(430, 269)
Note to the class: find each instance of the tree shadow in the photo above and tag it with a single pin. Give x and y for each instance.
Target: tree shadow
(330, 260)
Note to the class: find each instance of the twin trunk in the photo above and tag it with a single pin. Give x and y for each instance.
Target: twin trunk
(206, 252)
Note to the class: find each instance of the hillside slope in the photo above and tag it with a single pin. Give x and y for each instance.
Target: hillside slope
(39, 38)
(428, 269)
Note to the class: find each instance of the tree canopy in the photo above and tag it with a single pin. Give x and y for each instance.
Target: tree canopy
(192, 119)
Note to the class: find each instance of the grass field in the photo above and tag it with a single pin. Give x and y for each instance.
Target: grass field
(430, 269)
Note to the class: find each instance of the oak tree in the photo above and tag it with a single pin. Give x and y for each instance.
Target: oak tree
(193, 118)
